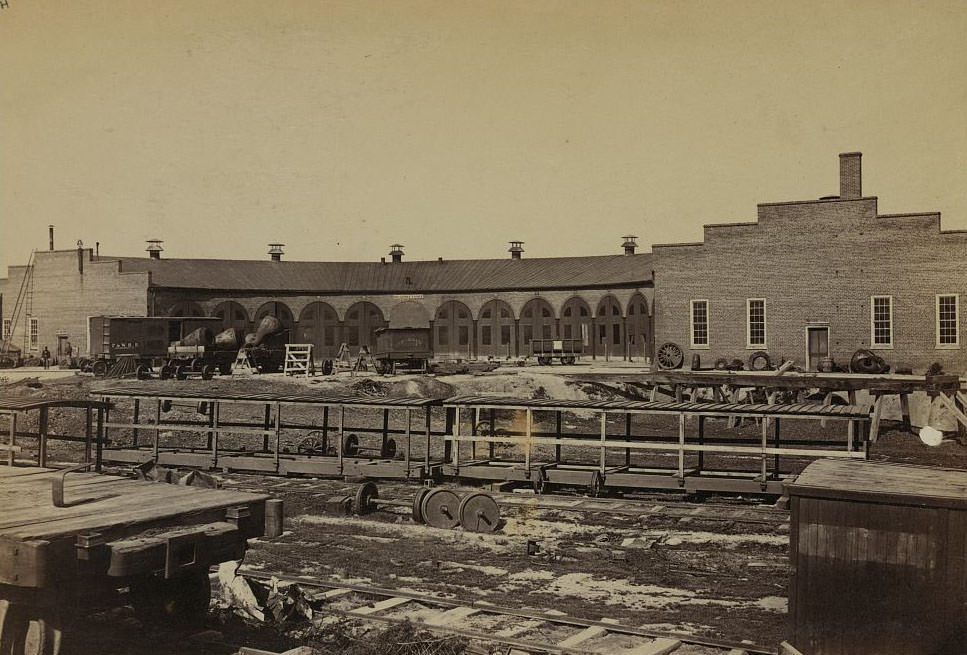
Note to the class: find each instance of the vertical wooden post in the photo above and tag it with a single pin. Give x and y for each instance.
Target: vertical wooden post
(342, 430)
(214, 414)
(493, 429)
(137, 415)
(13, 438)
(701, 441)
(43, 422)
(765, 444)
(528, 430)
(776, 444)
(681, 449)
(278, 434)
(604, 436)
(409, 418)
(628, 438)
(557, 446)
(266, 425)
(382, 448)
(427, 422)
(827, 400)
(157, 430)
(456, 438)
(101, 432)
(88, 432)
(905, 411)
(448, 413)
(851, 425)
(473, 433)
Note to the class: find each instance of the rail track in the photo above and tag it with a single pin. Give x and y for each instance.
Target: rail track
(525, 631)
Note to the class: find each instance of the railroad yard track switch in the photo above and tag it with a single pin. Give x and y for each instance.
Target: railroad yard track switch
(438, 507)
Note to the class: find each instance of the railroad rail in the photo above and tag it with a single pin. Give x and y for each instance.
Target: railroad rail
(318, 447)
(481, 621)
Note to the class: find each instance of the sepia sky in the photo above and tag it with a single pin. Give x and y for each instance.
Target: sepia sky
(452, 127)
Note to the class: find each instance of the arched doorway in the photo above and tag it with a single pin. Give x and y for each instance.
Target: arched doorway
(319, 325)
(409, 314)
(576, 322)
(233, 315)
(495, 334)
(186, 308)
(536, 322)
(609, 339)
(451, 331)
(362, 321)
(638, 327)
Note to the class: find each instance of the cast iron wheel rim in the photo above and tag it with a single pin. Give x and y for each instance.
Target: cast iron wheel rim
(594, 487)
(225, 368)
(327, 367)
(165, 372)
(142, 372)
(479, 512)
(760, 356)
(350, 446)
(669, 355)
(181, 373)
(207, 372)
(418, 505)
(18, 638)
(99, 369)
(569, 361)
(440, 509)
(365, 495)
(314, 443)
(389, 450)
(195, 364)
(483, 428)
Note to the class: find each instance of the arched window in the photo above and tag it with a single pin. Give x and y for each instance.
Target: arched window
(452, 331)
(576, 321)
(537, 322)
(319, 325)
(362, 321)
(186, 308)
(496, 337)
(233, 315)
(639, 327)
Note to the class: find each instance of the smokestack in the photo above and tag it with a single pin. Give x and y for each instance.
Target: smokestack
(516, 249)
(396, 253)
(50, 232)
(80, 257)
(630, 244)
(275, 250)
(97, 249)
(154, 248)
(850, 175)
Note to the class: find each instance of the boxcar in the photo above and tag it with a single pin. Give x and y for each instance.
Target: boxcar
(145, 338)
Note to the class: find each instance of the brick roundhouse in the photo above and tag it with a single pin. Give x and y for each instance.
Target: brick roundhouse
(807, 280)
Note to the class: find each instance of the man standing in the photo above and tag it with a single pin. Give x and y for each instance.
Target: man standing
(69, 353)
(45, 356)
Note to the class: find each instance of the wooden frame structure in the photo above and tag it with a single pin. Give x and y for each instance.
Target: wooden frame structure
(268, 456)
(14, 410)
(689, 446)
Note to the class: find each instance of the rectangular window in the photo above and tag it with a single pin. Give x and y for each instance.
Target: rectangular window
(463, 335)
(616, 334)
(567, 331)
(755, 331)
(528, 334)
(699, 324)
(546, 331)
(6, 328)
(443, 335)
(485, 338)
(504, 335)
(948, 323)
(881, 321)
(34, 335)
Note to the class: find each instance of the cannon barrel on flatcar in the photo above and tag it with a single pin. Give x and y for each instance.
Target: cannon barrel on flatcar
(230, 339)
(268, 326)
(200, 337)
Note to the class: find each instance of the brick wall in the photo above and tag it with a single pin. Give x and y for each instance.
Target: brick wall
(62, 297)
(816, 262)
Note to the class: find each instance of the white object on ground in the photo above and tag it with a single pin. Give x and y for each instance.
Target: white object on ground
(931, 436)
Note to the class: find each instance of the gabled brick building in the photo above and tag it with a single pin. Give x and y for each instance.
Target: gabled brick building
(815, 278)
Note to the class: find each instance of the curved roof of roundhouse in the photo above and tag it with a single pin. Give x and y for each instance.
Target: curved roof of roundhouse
(602, 271)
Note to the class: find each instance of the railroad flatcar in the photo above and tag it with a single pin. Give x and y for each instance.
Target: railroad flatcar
(402, 348)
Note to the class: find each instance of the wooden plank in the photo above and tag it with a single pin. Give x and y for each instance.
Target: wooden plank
(380, 606)
(451, 616)
(660, 646)
(581, 637)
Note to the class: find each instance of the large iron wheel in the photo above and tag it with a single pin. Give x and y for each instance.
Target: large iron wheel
(29, 631)
(314, 443)
(669, 355)
(99, 368)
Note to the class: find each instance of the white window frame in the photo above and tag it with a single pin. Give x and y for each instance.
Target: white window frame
(691, 325)
(873, 344)
(34, 333)
(956, 344)
(7, 327)
(748, 324)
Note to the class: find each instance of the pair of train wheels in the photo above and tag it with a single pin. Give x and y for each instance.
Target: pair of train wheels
(442, 508)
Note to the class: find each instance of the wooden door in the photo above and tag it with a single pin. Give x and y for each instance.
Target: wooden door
(817, 346)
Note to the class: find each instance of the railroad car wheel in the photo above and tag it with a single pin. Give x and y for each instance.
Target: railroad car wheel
(327, 367)
(669, 355)
(389, 449)
(596, 484)
(567, 361)
(181, 372)
(479, 512)
(207, 372)
(99, 368)
(314, 443)
(483, 429)
(721, 363)
(418, 505)
(196, 364)
(29, 631)
(225, 368)
(365, 495)
(350, 446)
(543, 361)
(181, 600)
(165, 373)
(760, 361)
(441, 509)
(142, 372)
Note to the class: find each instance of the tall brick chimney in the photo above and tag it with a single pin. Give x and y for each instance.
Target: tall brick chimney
(50, 230)
(850, 175)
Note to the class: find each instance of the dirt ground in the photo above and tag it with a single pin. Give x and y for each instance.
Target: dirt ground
(706, 576)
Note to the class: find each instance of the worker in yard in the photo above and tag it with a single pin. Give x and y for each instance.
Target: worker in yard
(69, 354)
(45, 356)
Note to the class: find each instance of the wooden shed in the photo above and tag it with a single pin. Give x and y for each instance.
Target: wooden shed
(879, 559)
